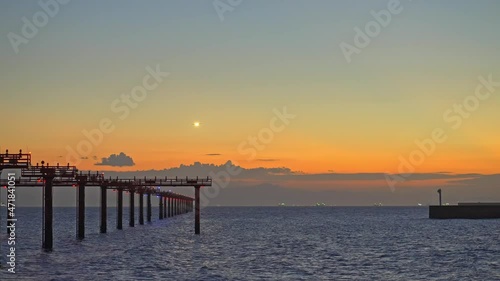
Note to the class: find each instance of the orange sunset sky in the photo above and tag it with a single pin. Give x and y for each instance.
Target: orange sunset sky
(89, 70)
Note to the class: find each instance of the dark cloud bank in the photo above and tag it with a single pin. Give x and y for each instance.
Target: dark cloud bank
(271, 186)
(117, 160)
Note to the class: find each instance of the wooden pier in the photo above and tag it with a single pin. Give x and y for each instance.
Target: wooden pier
(47, 176)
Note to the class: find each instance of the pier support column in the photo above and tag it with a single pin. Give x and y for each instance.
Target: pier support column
(165, 207)
(104, 209)
(197, 214)
(141, 208)
(174, 211)
(48, 214)
(131, 222)
(149, 207)
(119, 209)
(169, 209)
(81, 210)
(161, 207)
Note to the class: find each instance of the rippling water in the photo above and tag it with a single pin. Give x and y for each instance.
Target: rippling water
(289, 243)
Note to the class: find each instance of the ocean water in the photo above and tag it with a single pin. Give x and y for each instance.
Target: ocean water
(261, 243)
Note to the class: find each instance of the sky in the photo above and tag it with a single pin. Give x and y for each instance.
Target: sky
(313, 87)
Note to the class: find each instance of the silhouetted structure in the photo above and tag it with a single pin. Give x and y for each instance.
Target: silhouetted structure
(440, 197)
(48, 176)
(464, 210)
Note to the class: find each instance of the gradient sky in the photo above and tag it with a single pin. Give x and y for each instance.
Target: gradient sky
(231, 74)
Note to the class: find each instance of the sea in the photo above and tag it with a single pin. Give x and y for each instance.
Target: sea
(259, 243)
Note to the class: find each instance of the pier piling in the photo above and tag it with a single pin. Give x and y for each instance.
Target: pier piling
(197, 207)
(176, 206)
(165, 206)
(160, 207)
(48, 211)
(81, 208)
(174, 213)
(149, 207)
(170, 207)
(169, 203)
(119, 209)
(141, 208)
(132, 208)
(104, 209)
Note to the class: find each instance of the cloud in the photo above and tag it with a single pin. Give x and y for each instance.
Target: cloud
(270, 186)
(120, 160)
(281, 175)
(213, 154)
(267, 160)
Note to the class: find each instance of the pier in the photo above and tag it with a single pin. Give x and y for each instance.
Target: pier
(47, 176)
